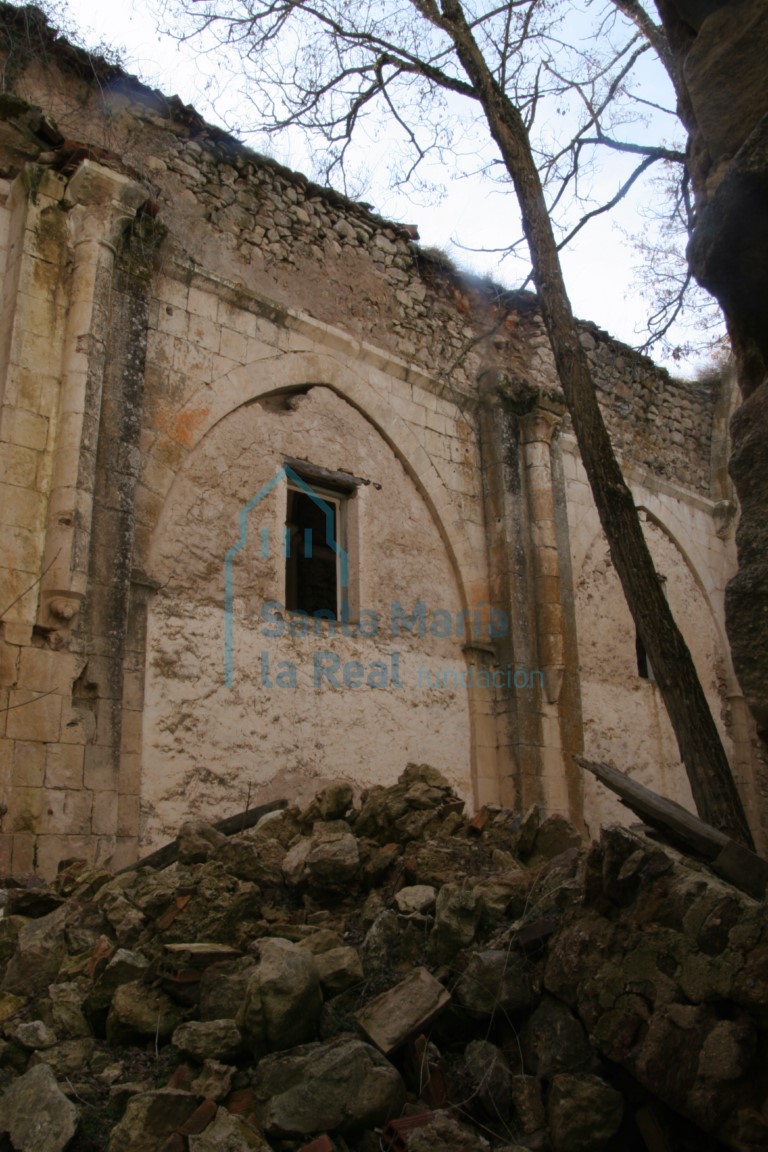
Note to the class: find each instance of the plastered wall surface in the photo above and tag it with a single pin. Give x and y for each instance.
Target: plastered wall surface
(285, 739)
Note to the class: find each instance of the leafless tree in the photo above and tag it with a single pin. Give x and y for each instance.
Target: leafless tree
(324, 64)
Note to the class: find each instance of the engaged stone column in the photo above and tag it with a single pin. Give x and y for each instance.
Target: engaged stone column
(537, 429)
(102, 201)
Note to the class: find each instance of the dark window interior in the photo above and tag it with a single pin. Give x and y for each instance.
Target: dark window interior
(311, 562)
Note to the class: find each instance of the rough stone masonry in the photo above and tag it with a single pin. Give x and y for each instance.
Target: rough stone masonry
(246, 424)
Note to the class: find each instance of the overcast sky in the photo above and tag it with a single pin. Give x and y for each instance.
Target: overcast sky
(599, 266)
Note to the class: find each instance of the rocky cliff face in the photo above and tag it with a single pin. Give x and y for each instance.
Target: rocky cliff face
(720, 48)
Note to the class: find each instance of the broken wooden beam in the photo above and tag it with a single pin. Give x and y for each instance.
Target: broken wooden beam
(230, 826)
(738, 865)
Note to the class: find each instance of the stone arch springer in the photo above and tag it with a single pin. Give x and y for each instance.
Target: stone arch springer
(692, 567)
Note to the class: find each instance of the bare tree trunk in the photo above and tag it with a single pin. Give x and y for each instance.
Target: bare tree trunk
(701, 749)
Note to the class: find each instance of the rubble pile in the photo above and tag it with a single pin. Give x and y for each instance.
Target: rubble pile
(386, 976)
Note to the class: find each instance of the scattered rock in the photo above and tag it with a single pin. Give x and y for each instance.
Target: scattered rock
(209, 1039)
(36, 1114)
(418, 898)
(490, 1078)
(584, 1113)
(554, 1041)
(138, 1012)
(495, 981)
(457, 915)
(197, 841)
(283, 1000)
(34, 1035)
(342, 1085)
(150, 1118)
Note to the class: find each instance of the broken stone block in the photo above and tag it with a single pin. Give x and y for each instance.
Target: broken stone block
(40, 948)
(197, 841)
(150, 1118)
(228, 1133)
(341, 1085)
(415, 899)
(68, 1058)
(33, 1035)
(209, 1039)
(333, 860)
(214, 1081)
(457, 915)
(140, 1012)
(36, 1114)
(495, 981)
(125, 967)
(255, 858)
(554, 1041)
(528, 1103)
(584, 1113)
(403, 1011)
(444, 1134)
(283, 1000)
(489, 1074)
(554, 836)
(67, 1017)
(727, 1051)
(335, 800)
(339, 969)
(380, 950)
(222, 989)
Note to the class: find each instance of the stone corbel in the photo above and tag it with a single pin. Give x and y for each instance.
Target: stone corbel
(100, 202)
(538, 427)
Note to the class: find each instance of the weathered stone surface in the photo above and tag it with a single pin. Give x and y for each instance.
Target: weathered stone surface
(33, 1035)
(403, 1011)
(495, 981)
(489, 1074)
(228, 1133)
(150, 1118)
(198, 841)
(36, 1114)
(283, 999)
(138, 1011)
(457, 915)
(333, 860)
(380, 950)
(66, 1059)
(223, 988)
(124, 967)
(338, 968)
(39, 952)
(209, 1039)
(444, 1134)
(342, 1085)
(584, 1113)
(417, 898)
(554, 1041)
(553, 836)
(214, 1081)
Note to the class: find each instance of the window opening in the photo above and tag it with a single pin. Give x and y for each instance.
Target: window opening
(314, 541)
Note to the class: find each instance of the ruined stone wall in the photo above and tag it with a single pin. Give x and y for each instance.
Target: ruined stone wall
(183, 316)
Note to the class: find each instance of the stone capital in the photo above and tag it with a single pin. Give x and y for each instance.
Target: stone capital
(539, 425)
(101, 202)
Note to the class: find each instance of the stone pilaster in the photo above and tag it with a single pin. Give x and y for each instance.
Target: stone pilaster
(101, 202)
